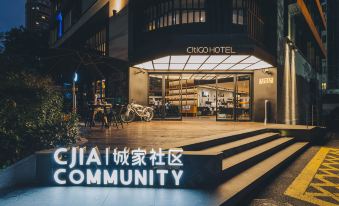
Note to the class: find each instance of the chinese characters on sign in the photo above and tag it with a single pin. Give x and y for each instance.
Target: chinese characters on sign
(118, 167)
(269, 80)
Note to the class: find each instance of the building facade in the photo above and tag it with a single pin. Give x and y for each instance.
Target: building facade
(333, 33)
(38, 13)
(236, 60)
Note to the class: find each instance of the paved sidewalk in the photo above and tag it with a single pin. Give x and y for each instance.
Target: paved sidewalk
(306, 190)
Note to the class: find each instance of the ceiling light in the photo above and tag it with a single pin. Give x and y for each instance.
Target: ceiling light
(259, 65)
(240, 66)
(179, 59)
(223, 66)
(208, 66)
(216, 59)
(177, 66)
(250, 60)
(235, 59)
(197, 59)
(192, 66)
(161, 66)
(146, 65)
(163, 60)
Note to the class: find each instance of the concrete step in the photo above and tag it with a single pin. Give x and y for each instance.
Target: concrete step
(234, 190)
(197, 144)
(241, 161)
(235, 147)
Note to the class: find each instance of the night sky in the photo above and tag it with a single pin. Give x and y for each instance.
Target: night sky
(12, 14)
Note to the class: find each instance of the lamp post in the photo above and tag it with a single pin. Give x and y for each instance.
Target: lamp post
(74, 106)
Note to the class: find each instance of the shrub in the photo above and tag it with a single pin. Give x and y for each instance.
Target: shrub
(31, 117)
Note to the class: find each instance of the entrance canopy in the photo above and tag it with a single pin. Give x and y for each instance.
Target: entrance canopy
(205, 62)
(195, 76)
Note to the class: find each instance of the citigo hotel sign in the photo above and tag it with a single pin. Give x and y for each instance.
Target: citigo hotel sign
(210, 50)
(118, 167)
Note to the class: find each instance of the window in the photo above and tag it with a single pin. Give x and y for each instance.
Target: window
(247, 13)
(98, 42)
(174, 12)
(68, 20)
(238, 12)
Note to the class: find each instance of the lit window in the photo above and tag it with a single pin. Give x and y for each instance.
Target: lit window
(323, 86)
(238, 12)
(174, 12)
(37, 23)
(43, 17)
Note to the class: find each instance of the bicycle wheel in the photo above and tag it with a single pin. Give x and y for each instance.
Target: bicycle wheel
(127, 116)
(149, 114)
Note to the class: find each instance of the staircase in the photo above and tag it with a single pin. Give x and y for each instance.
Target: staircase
(249, 159)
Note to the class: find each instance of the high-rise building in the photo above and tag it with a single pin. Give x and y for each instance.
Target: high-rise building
(37, 14)
(333, 43)
(237, 60)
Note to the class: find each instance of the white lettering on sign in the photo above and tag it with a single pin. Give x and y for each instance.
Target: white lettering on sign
(118, 167)
(210, 50)
(269, 80)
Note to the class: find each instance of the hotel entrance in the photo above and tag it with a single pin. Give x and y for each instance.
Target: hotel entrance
(223, 97)
(218, 87)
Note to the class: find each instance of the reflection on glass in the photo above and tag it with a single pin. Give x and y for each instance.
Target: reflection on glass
(243, 98)
(173, 98)
(207, 95)
(226, 97)
(155, 98)
(165, 96)
(234, 97)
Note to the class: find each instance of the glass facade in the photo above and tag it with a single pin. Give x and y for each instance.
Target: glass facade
(225, 97)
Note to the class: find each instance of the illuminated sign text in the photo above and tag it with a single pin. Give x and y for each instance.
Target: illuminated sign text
(210, 50)
(125, 167)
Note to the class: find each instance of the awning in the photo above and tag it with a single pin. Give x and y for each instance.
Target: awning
(205, 63)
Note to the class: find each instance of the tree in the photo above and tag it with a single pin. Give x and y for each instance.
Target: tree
(22, 50)
(31, 107)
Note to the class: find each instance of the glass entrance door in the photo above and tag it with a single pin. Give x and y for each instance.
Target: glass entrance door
(234, 97)
(165, 96)
(243, 98)
(225, 93)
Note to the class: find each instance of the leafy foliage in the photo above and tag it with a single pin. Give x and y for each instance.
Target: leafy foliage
(31, 117)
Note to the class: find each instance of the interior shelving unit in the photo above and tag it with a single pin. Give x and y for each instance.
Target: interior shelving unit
(183, 93)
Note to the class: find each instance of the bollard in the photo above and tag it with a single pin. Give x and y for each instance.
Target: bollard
(266, 112)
